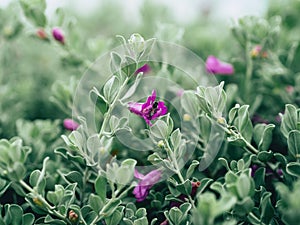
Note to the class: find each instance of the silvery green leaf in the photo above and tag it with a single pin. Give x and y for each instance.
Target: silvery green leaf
(289, 120)
(294, 143)
(111, 89)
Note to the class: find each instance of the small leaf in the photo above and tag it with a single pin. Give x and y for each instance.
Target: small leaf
(159, 130)
(243, 123)
(265, 156)
(111, 89)
(289, 120)
(175, 215)
(243, 186)
(293, 168)
(294, 143)
(191, 168)
(185, 188)
(100, 187)
(96, 203)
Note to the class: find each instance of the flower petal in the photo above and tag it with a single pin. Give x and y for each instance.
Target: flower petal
(138, 175)
(135, 107)
(215, 66)
(143, 69)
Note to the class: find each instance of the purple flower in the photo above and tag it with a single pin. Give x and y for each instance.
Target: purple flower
(149, 110)
(58, 35)
(143, 69)
(215, 66)
(146, 182)
(70, 124)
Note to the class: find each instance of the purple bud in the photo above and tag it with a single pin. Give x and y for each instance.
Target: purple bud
(143, 69)
(70, 124)
(58, 35)
(279, 172)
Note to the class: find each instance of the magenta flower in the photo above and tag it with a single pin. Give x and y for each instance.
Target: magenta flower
(215, 66)
(143, 69)
(58, 35)
(70, 124)
(149, 110)
(141, 191)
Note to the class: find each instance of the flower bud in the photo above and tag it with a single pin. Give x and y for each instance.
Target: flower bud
(143, 69)
(37, 201)
(73, 216)
(40, 33)
(8, 31)
(221, 120)
(289, 89)
(161, 144)
(70, 124)
(137, 43)
(257, 52)
(187, 117)
(58, 35)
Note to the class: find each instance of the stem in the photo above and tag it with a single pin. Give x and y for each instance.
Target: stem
(249, 70)
(111, 107)
(177, 169)
(230, 131)
(50, 208)
(99, 216)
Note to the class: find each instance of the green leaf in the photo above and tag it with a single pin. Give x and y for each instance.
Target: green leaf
(115, 63)
(96, 203)
(243, 186)
(190, 104)
(129, 66)
(185, 188)
(28, 219)
(212, 100)
(224, 162)
(116, 217)
(175, 215)
(4, 185)
(204, 183)
(16, 212)
(265, 156)
(243, 123)
(259, 177)
(141, 212)
(191, 168)
(159, 130)
(74, 177)
(232, 113)
(280, 158)
(244, 207)
(294, 143)
(263, 136)
(293, 168)
(289, 120)
(225, 203)
(176, 139)
(113, 206)
(100, 187)
(154, 158)
(141, 221)
(111, 89)
(266, 208)
(34, 10)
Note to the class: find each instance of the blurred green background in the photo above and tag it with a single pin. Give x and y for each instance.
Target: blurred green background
(29, 67)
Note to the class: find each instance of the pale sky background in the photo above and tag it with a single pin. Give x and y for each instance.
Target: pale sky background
(185, 10)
